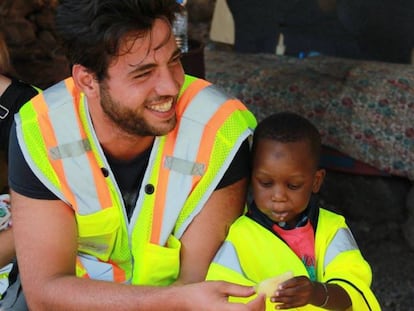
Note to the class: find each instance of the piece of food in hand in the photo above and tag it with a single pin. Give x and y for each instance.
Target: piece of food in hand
(270, 285)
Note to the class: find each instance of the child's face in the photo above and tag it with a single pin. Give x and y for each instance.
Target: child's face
(283, 178)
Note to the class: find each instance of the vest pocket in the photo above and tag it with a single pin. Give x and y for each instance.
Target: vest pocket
(97, 232)
(159, 265)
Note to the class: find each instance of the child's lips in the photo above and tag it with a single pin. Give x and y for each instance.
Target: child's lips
(280, 216)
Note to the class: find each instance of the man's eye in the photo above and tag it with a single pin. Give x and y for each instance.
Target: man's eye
(142, 75)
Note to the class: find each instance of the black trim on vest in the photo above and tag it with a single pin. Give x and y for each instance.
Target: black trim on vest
(311, 212)
(354, 286)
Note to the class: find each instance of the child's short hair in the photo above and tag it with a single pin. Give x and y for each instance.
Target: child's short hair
(287, 127)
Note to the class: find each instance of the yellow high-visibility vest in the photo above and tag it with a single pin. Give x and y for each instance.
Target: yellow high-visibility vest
(251, 254)
(58, 141)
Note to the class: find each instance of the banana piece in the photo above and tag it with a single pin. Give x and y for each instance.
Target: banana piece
(269, 286)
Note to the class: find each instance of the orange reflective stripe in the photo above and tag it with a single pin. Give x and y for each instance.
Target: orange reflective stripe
(50, 140)
(102, 188)
(119, 275)
(70, 86)
(210, 132)
(189, 94)
(163, 177)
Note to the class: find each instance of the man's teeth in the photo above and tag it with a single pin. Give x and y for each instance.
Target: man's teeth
(163, 107)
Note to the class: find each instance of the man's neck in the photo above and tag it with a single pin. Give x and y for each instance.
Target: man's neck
(126, 148)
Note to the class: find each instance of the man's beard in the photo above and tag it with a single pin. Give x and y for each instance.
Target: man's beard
(129, 120)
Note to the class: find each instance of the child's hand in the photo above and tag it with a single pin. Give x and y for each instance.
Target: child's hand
(293, 293)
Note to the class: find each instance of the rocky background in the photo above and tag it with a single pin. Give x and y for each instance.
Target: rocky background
(374, 206)
(28, 27)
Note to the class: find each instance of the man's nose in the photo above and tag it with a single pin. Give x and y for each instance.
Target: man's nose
(167, 84)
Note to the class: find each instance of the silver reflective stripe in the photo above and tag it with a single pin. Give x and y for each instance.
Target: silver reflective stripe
(180, 231)
(97, 270)
(4, 112)
(184, 167)
(201, 109)
(343, 241)
(72, 149)
(227, 257)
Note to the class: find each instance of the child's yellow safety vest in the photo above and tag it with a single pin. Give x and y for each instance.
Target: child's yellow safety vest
(251, 254)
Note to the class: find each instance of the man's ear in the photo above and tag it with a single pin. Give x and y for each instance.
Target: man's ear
(318, 180)
(85, 80)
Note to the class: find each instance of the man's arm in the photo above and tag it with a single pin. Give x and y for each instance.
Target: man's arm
(208, 230)
(46, 243)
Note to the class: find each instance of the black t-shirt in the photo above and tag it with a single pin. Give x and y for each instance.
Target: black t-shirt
(128, 174)
(17, 94)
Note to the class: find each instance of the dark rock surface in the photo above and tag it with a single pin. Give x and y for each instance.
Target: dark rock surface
(375, 209)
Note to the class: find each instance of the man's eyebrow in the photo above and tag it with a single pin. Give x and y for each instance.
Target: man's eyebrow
(139, 67)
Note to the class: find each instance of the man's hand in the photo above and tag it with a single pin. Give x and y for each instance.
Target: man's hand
(213, 295)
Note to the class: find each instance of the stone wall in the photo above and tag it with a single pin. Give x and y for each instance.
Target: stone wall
(28, 27)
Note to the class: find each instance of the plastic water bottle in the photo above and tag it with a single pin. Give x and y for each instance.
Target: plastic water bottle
(180, 27)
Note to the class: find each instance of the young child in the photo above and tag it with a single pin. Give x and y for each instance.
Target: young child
(285, 230)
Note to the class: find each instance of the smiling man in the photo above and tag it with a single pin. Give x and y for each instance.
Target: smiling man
(128, 172)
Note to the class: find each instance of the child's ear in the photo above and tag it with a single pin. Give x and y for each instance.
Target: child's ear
(318, 180)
